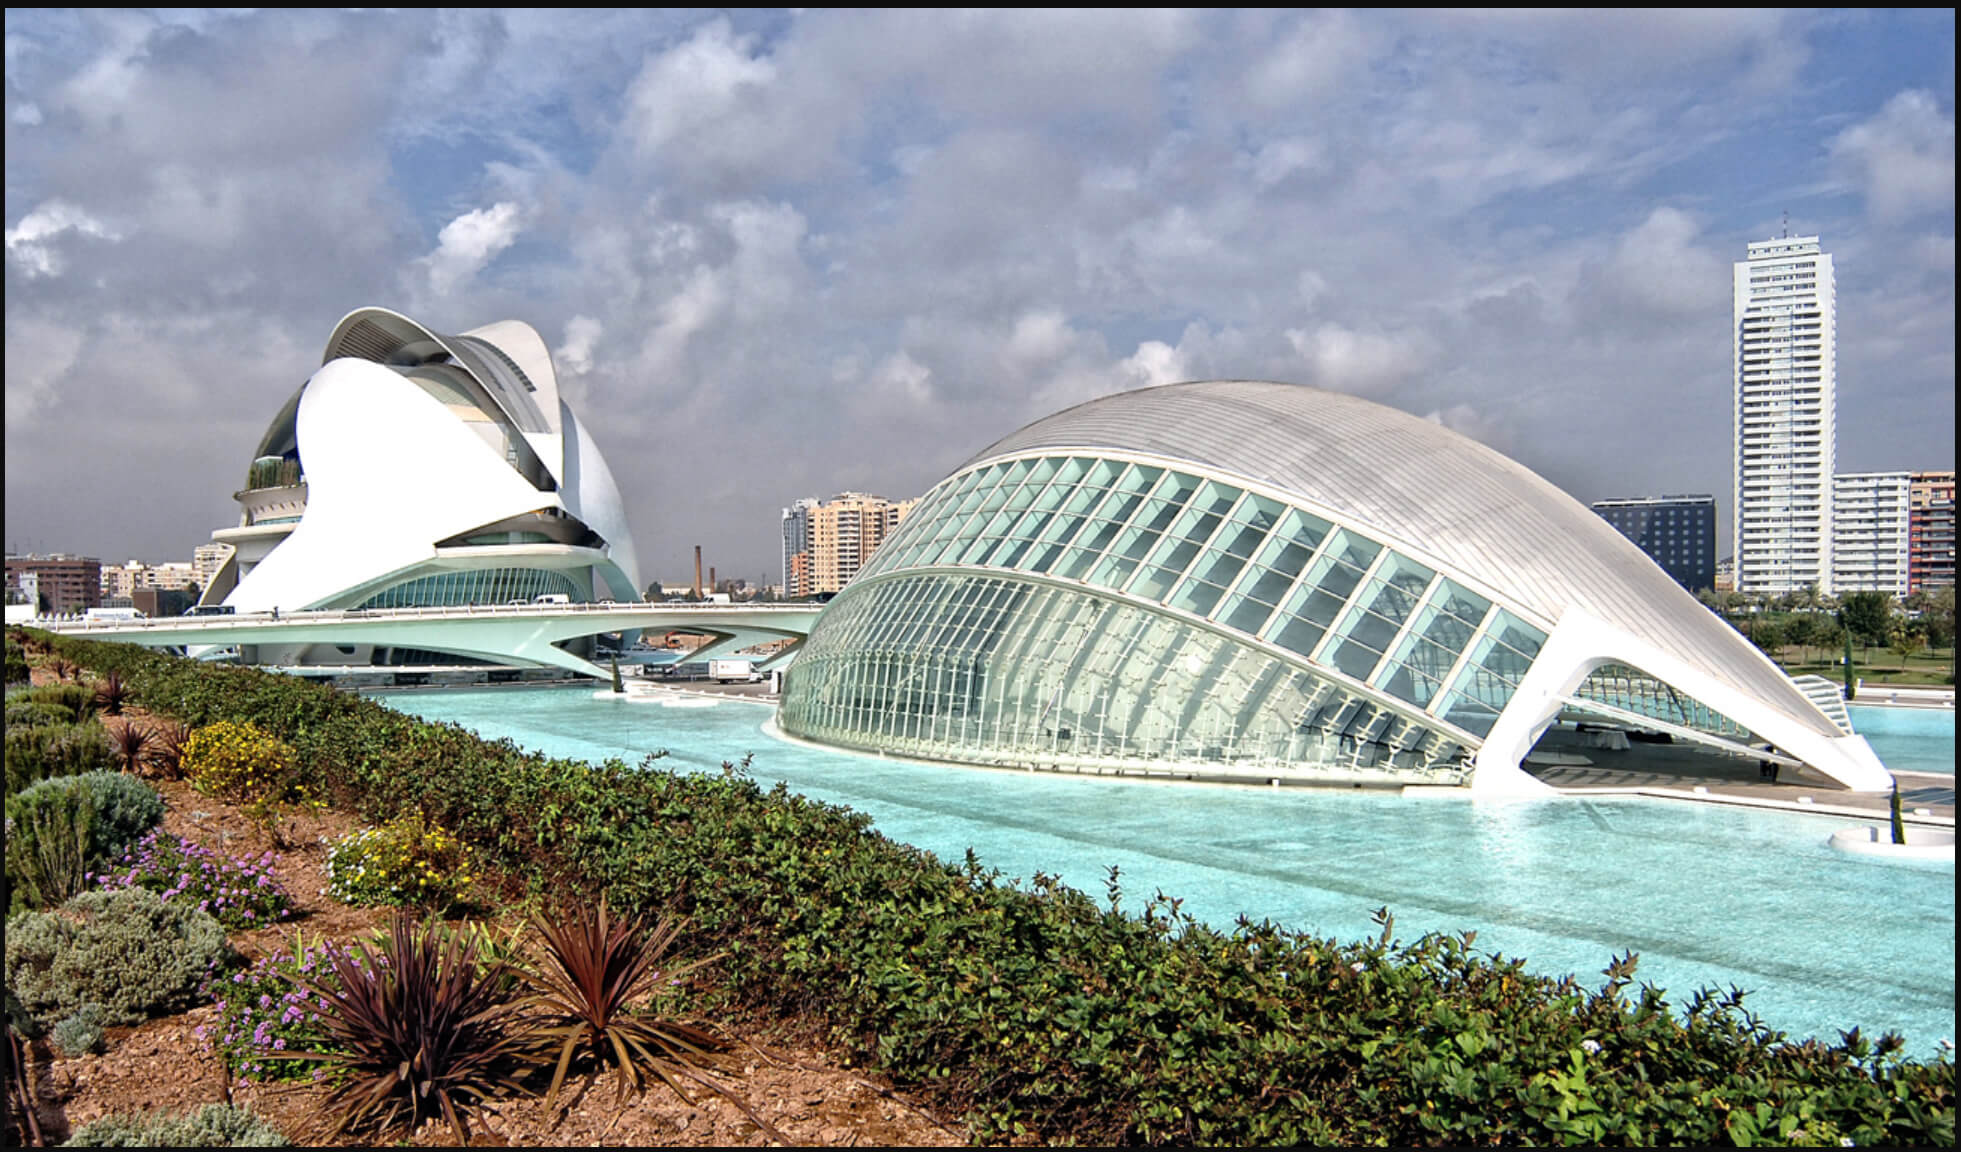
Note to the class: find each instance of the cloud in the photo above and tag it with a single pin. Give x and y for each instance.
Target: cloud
(470, 242)
(31, 243)
(1661, 269)
(1363, 363)
(581, 336)
(40, 354)
(1902, 159)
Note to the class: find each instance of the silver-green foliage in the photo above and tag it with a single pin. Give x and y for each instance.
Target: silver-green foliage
(126, 950)
(80, 1032)
(212, 1126)
(60, 829)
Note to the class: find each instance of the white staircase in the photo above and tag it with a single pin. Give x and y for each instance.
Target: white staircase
(1828, 696)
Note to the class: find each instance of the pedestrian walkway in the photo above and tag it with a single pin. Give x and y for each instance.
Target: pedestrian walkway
(1688, 773)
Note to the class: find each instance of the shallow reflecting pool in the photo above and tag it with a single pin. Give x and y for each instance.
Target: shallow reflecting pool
(1706, 896)
(1908, 739)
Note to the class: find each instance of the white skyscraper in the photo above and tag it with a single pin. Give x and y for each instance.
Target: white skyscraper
(1785, 417)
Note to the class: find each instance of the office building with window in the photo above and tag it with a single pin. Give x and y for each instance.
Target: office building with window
(1677, 532)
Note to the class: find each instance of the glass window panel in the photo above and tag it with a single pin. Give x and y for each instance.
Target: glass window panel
(1246, 615)
(1177, 488)
(1370, 629)
(1071, 470)
(1284, 557)
(1303, 529)
(1103, 473)
(1039, 473)
(1083, 499)
(1197, 597)
(1135, 544)
(1297, 634)
(1139, 478)
(1353, 550)
(1260, 512)
(1219, 569)
(1052, 497)
(1156, 515)
(1240, 539)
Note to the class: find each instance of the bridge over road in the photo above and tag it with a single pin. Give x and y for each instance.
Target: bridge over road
(527, 635)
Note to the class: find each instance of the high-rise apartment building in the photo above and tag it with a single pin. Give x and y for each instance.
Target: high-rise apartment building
(1869, 532)
(1785, 417)
(824, 544)
(1677, 532)
(1930, 530)
(796, 548)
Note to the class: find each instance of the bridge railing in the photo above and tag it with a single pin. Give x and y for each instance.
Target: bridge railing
(78, 623)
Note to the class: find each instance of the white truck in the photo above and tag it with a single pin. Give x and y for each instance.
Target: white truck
(733, 671)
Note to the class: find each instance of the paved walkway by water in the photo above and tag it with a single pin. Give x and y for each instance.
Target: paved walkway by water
(1690, 773)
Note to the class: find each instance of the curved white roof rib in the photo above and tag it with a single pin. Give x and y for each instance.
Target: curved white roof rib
(1483, 519)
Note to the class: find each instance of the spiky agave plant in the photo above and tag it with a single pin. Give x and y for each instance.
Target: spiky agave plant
(417, 1029)
(166, 752)
(111, 694)
(131, 744)
(591, 982)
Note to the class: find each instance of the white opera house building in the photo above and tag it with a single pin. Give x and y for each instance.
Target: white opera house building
(415, 469)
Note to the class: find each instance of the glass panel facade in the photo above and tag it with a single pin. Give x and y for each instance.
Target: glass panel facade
(1635, 691)
(990, 669)
(1203, 548)
(479, 586)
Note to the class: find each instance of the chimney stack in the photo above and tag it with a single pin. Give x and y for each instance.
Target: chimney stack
(697, 571)
(711, 578)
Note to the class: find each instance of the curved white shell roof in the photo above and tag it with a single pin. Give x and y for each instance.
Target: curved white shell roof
(1431, 493)
(391, 472)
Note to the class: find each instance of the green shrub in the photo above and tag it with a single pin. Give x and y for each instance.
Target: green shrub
(76, 700)
(212, 1126)
(17, 671)
(404, 862)
(60, 830)
(127, 951)
(47, 751)
(47, 845)
(80, 1032)
(24, 713)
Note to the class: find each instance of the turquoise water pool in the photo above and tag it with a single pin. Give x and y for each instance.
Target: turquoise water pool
(1908, 739)
(1706, 896)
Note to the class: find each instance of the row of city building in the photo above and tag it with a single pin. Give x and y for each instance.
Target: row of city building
(66, 583)
(1797, 522)
(1891, 532)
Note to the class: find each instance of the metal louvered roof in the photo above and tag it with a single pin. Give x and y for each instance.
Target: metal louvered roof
(1426, 490)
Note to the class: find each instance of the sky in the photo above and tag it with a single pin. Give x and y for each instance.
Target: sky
(791, 253)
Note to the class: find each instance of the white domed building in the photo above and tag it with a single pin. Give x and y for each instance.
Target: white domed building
(416, 469)
(1257, 581)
